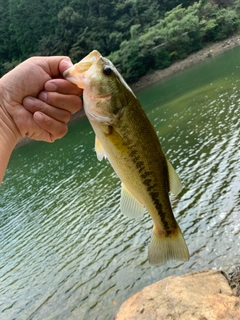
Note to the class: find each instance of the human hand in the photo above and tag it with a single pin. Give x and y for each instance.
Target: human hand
(35, 101)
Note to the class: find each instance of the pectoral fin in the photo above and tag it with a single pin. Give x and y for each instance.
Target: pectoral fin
(174, 181)
(129, 206)
(99, 150)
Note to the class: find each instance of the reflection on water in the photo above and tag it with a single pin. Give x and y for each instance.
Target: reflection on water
(67, 252)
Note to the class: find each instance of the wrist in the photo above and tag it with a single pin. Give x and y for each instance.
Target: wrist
(9, 134)
(8, 137)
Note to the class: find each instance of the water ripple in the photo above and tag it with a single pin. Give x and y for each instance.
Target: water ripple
(67, 252)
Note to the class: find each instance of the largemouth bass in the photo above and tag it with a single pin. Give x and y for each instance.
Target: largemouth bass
(125, 136)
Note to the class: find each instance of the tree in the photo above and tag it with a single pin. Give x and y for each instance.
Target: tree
(4, 30)
(70, 24)
(227, 23)
(29, 22)
(139, 34)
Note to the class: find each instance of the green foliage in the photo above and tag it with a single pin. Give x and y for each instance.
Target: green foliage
(237, 7)
(138, 35)
(227, 23)
(4, 30)
(162, 59)
(7, 66)
(29, 22)
(180, 32)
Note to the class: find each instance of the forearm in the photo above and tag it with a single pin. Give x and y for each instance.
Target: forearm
(6, 148)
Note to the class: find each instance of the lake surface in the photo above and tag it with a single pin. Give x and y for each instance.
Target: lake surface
(67, 252)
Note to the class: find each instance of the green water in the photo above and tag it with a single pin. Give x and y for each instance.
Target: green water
(66, 251)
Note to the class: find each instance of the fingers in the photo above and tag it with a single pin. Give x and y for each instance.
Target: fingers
(70, 103)
(62, 94)
(42, 103)
(51, 128)
(34, 105)
(61, 100)
(52, 108)
(62, 86)
(54, 65)
(39, 126)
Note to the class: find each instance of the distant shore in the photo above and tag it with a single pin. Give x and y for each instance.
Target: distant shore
(207, 52)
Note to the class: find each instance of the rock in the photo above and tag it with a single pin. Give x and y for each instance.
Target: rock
(204, 295)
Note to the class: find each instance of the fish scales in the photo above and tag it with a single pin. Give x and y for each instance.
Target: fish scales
(126, 137)
(136, 122)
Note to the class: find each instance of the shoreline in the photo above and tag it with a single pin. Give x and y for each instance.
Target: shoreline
(209, 51)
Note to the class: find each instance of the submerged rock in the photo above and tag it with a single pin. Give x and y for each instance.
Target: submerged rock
(205, 295)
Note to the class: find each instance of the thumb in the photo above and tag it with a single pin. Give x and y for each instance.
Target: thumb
(64, 64)
(54, 65)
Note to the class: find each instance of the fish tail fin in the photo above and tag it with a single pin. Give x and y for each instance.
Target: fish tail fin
(167, 247)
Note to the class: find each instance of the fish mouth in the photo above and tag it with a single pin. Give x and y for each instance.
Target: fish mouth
(74, 74)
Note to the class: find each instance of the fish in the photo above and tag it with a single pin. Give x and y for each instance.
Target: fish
(127, 138)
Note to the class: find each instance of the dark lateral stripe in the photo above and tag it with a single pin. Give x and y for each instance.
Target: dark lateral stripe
(147, 182)
(133, 153)
(145, 174)
(151, 188)
(161, 213)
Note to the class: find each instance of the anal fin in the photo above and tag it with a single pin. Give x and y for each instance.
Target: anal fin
(129, 205)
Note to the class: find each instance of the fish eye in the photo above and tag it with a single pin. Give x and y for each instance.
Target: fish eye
(107, 71)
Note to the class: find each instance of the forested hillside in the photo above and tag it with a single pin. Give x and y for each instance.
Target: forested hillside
(138, 35)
